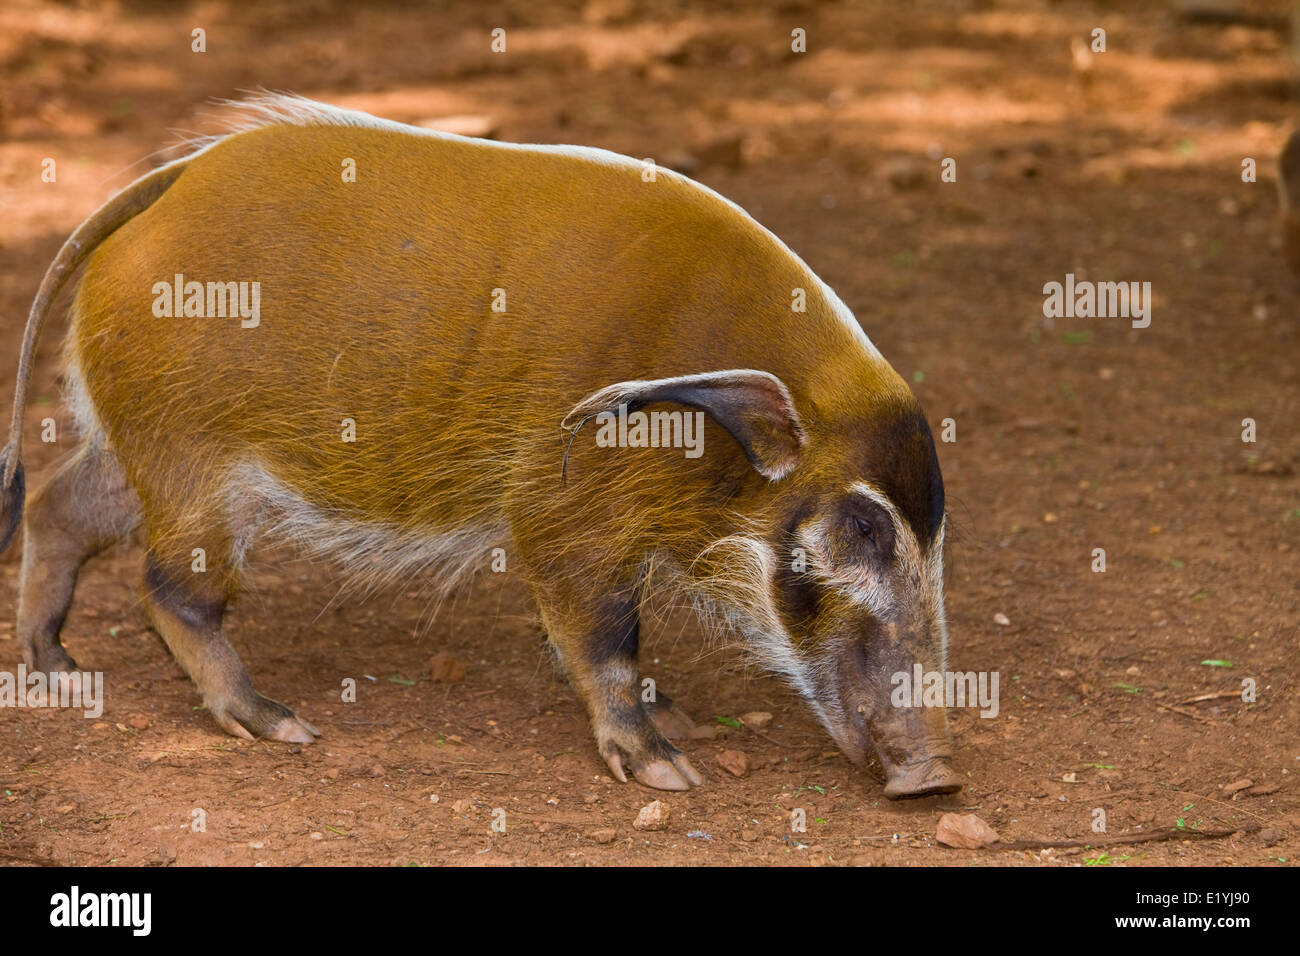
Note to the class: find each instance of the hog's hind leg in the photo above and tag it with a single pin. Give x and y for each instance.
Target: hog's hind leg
(187, 609)
(83, 509)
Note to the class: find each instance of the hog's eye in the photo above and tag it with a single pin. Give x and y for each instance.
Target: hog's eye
(865, 528)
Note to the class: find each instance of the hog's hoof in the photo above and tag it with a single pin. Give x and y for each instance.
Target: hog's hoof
(674, 773)
(663, 775)
(61, 671)
(673, 722)
(293, 730)
(51, 659)
(262, 717)
(925, 779)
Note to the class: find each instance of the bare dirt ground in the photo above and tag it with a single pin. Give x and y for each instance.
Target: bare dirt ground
(1071, 435)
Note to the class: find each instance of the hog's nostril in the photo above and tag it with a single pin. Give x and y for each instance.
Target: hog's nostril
(924, 779)
(929, 790)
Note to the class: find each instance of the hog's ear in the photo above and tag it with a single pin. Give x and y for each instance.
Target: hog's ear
(755, 407)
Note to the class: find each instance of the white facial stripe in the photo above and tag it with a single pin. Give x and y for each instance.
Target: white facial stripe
(863, 587)
(862, 489)
(730, 583)
(915, 569)
(934, 594)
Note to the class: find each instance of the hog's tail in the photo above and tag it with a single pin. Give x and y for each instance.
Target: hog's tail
(106, 220)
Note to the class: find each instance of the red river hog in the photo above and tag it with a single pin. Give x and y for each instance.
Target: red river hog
(402, 349)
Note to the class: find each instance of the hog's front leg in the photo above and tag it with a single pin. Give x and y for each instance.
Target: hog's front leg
(596, 640)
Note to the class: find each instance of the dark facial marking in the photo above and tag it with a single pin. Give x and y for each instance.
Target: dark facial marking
(865, 531)
(797, 594)
(901, 459)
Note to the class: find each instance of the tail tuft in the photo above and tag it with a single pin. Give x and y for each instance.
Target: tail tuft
(12, 497)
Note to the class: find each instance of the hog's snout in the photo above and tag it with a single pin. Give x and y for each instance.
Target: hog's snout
(924, 778)
(909, 737)
(914, 751)
(912, 745)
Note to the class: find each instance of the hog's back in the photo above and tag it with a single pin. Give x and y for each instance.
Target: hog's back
(376, 306)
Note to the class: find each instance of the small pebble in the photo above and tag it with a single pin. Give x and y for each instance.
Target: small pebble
(653, 816)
